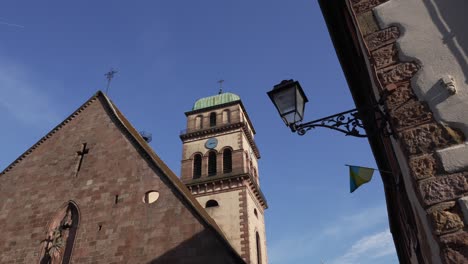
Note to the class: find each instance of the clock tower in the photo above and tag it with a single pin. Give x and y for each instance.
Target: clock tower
(220, 168)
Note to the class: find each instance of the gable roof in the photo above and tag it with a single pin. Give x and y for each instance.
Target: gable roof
(147, 152)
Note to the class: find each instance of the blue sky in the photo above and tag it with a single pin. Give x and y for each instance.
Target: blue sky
(171, 53)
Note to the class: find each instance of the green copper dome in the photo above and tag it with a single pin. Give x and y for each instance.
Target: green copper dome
(218, 99)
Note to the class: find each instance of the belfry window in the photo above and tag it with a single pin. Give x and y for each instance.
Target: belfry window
(197, 161)
(227, 161)
(212, 119)
(212, 163)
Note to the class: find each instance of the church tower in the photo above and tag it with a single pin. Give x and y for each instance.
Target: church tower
(220, 168)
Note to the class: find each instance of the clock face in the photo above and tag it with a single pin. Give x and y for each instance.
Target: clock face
(211, 143)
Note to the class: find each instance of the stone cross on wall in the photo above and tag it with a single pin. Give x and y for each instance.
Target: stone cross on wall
(81, 154)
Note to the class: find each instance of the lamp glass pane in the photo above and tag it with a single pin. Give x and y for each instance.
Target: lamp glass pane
(299, 105)
(291, 118)
(285, 100)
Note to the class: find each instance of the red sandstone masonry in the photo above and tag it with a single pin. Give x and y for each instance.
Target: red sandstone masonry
(34, 189)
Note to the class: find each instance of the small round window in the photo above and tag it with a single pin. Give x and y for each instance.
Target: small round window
(150, 197)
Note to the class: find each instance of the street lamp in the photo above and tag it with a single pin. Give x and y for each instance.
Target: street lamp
(289, 99)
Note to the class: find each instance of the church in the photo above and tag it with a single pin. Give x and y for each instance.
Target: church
(93, 191)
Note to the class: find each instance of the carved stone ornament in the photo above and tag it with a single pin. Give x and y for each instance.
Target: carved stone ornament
(426, 138)
(401, 94)
(448, 83)
(444, 218)
(397, 73)
(440, 189)
(423, 167)
(365, 5)
(385, 56)
(382, 37)
(56, 247)
(410, 114)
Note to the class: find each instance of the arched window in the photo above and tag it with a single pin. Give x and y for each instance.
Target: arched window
(199, 122)
(211, 203)
(212, 119)
(197, 160)
(58, 245)
(227, 161)
(212, 163)
(255, 212)
(226, 116)
(259, 253)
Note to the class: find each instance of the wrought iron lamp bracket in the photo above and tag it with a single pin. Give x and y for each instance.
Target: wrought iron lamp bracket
(350, 122)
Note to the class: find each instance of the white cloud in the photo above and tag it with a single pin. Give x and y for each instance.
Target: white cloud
(313, 244)
(363, 219)
(367, 248)
(22, 98)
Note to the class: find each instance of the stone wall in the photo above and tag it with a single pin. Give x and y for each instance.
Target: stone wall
(256, 223)
(436, 193)
(226, 214)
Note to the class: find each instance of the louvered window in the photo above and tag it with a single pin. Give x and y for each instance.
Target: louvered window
(213, 119)
(197, 160)
(212, 163)
(227, 161)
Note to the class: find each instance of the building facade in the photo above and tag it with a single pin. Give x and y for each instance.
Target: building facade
(220, 168)
(412, 55)
(93, 191)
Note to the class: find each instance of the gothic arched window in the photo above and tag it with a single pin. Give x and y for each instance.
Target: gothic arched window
(212, 119)
(197, 161)
(259, 253)
(58, 245)
(211, 203)
(227, 161)
(212, 163)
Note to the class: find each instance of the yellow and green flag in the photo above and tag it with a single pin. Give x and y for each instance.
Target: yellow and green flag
(358, 176)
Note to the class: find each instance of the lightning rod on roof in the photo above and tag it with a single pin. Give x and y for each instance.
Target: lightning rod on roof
(220, 86)
(109, 75)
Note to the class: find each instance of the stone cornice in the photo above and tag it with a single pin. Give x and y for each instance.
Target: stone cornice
(226, 182)
(218, 129)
